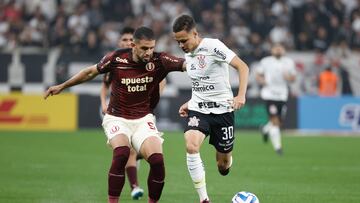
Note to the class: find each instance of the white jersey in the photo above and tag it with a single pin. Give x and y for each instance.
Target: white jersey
(208, 69)
(273, 69)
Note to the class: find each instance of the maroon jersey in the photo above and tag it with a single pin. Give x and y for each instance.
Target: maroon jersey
(135, 86)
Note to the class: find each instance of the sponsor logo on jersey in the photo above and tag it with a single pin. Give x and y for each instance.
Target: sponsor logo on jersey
(204, 78)
(203, 49)
(208, 105)
(201, 88)
(137, 84)
(192, 67)
(150, 66)
(201, 59)
(219, 53)
(120, 60)
(193, 121)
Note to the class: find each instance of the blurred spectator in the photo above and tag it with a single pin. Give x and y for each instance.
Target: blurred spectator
(328, 83)
(321, 40)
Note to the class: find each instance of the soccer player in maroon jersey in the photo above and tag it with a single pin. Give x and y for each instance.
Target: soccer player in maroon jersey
(128, 121)
(125, 41)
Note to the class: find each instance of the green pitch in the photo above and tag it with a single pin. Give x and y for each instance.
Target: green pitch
(61, 167)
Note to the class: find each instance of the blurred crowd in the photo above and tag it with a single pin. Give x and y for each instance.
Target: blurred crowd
(248, 27)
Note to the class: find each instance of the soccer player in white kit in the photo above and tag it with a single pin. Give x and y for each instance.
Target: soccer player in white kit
(274, 74)
(210, 111)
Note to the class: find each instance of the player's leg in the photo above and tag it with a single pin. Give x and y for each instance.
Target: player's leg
(116, 177)
(195, 133)
(193, 142)
(222, 138)
(151, 149)
(275, 135)
(131, 171)
(224, 162)
(277, 111)
(148, 142)
(116, 133)
(265, 129)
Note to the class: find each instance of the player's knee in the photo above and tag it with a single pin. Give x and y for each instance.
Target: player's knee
(157, 167)
(192, 148)
(120, 157)
(156, 160)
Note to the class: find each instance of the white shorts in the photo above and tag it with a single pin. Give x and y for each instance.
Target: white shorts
(137, 130)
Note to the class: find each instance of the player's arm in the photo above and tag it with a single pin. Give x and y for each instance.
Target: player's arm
(84, 75)
(260, 78)
(259, 74)
(103, 93)
(184, 66)
(162, 85)
(183, 110)
(243, 71)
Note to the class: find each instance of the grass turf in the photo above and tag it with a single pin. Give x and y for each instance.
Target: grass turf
(58, 167)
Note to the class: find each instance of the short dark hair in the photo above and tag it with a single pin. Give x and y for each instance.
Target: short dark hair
(183, 22)
(127, 30)
(144, 33)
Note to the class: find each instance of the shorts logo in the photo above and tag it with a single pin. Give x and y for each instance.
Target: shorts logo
(193, 121)
(150, 66)
(114, 129)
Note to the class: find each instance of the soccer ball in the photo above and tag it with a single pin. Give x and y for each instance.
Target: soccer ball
(245, 197)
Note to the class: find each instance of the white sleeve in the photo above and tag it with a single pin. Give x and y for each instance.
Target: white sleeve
(291, 67)
(221, 51)
(260, 67)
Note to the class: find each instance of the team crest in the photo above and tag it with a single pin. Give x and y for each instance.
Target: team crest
(114, 129)
(150, 66)
(201, 59)
(193, 121)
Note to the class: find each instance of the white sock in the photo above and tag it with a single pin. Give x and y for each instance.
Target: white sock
(197, 173)
(275, 137)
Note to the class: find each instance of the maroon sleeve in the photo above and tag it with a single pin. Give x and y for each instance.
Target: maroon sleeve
(171, 63)
(107, 79)
(105, 64)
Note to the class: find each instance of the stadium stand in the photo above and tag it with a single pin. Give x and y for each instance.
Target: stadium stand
(37, 37)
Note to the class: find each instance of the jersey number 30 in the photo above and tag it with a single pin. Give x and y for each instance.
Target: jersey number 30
(228, 132)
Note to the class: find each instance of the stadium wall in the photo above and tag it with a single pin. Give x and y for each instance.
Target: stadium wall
(329, 113)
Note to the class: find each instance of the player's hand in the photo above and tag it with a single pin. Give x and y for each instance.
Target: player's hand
(104, 109)
(53, 90)
(238, 102)
(183, 110)
(288, 77)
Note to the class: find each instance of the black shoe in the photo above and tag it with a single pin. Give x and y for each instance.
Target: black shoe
(224, 172)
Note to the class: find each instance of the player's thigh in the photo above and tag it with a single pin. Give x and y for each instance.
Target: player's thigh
(132, 158)
(222, 134)
(146, 128)
(197, 129)
(151, 145)
(116, 130)
(276, 111)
